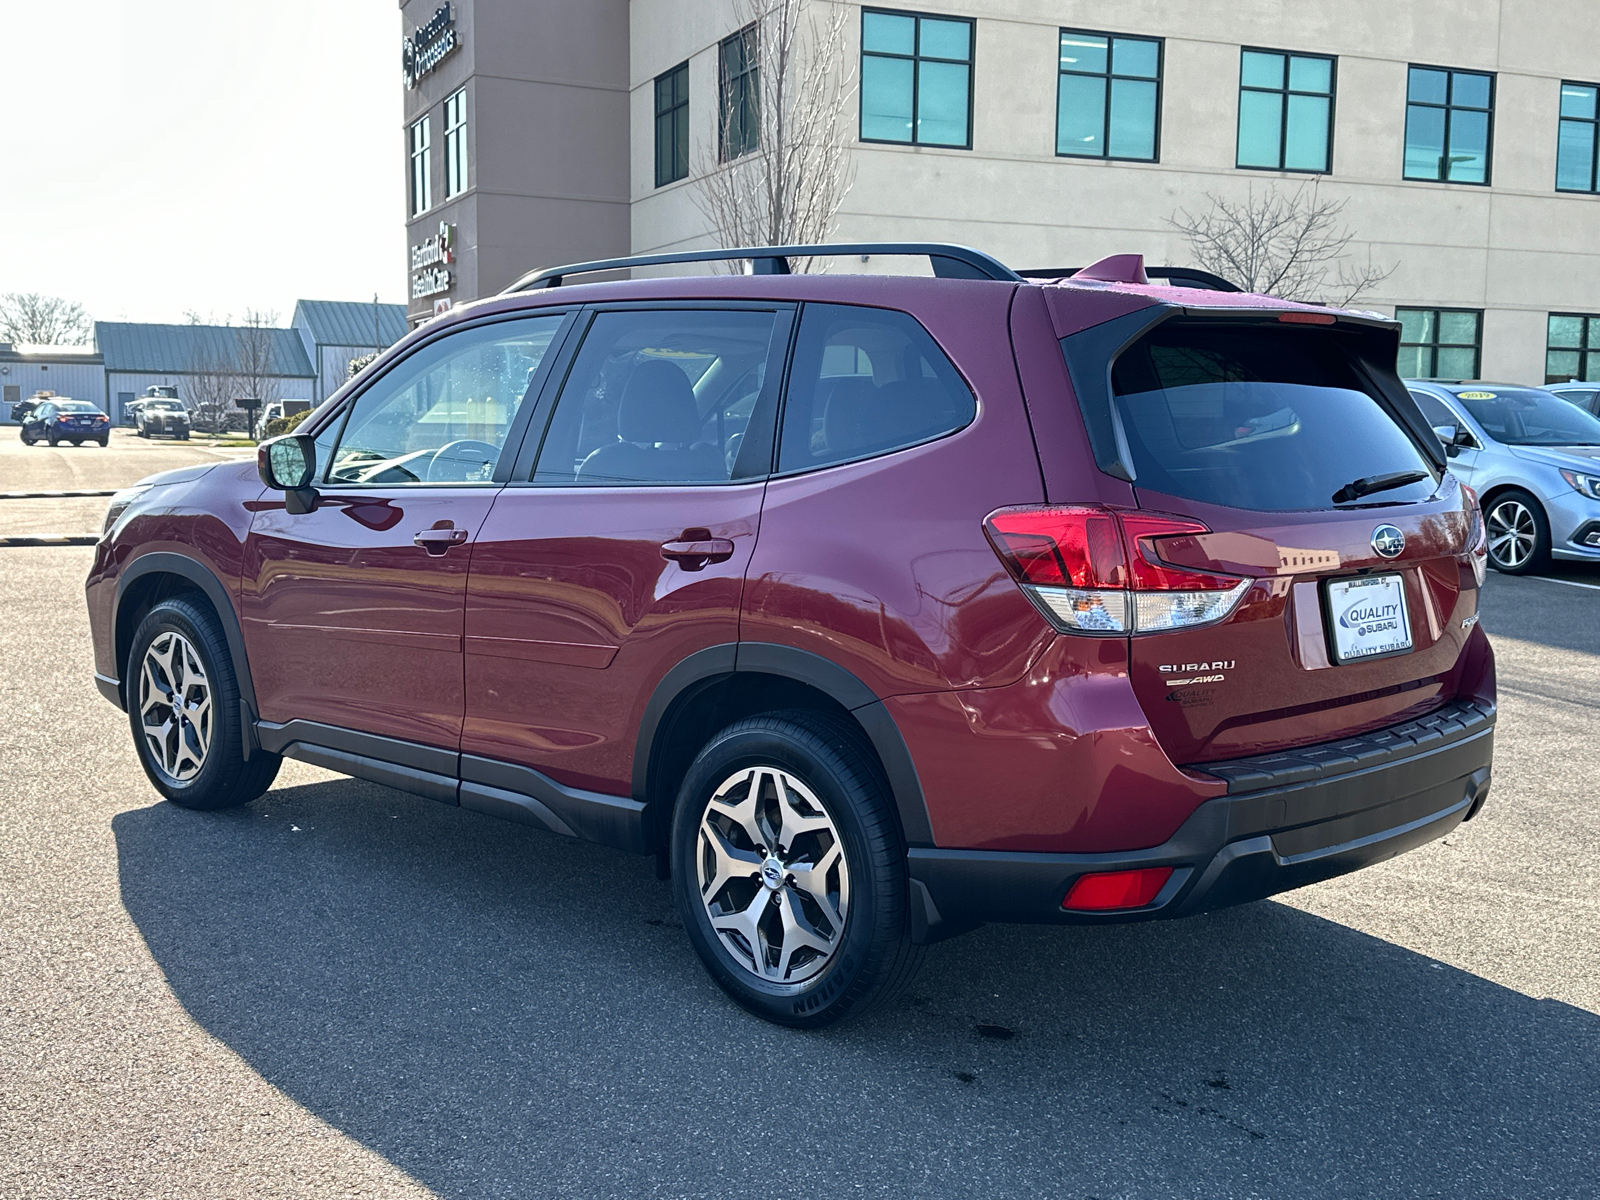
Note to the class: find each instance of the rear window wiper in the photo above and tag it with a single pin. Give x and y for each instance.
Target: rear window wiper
(1358, 488)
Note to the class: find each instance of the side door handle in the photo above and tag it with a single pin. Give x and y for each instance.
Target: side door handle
(694, 554)
(440, 538)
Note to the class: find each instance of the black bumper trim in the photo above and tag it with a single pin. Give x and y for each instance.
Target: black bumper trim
(1232, 849)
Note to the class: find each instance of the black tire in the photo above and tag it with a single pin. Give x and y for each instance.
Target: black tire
(224, 779)
(874, 957)
(104, 442)
(76, 441)
(141, 432)
(26, 440)
(1513, 516)
(184, 436)
(52, 439)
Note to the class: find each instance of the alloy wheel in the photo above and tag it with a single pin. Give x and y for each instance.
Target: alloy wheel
(1513, 534)
(175, 710)
(772, 875)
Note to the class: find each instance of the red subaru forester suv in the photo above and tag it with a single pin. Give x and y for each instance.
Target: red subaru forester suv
(875, 607)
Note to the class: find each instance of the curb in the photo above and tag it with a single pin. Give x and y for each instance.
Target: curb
(51, 495)
(50, 540)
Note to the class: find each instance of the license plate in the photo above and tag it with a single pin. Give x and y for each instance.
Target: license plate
(1368, 617)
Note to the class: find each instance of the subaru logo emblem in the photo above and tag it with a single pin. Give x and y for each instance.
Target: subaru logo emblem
(1388, 541)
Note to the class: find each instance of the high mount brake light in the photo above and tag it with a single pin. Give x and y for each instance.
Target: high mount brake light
(1099, 570)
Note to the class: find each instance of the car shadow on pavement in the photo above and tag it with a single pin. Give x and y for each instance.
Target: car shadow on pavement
(502, 1012)
(1545, 609)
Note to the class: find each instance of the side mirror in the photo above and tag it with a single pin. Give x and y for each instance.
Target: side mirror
(1445, 433)
(288, 464)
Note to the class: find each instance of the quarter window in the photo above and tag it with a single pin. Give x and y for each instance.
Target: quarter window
(1285, 111)
(1108, 96)
(1439, 343)
(1573, 348)
(455, 144)
(866, 381)
(916, 79)
(739, 112)
(1576, 151)
(672, 125)
(442, 415)
(421, 180)
(1449, 117)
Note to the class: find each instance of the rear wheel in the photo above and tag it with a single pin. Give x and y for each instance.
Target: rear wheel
(1518, 533)
(789, 871)
(52, 439)
(104, 442)
(183, 706)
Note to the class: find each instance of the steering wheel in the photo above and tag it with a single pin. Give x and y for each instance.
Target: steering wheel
(462, 461)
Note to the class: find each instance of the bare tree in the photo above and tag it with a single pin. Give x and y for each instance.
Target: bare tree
(254, 365)
(788, 188)
(209, 390)
(28, 318)
(1289, 244)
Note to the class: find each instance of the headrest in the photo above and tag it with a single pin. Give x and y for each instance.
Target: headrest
(851, 419)
(658, 406)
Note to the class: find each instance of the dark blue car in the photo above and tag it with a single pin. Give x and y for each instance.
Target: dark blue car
(60, 420)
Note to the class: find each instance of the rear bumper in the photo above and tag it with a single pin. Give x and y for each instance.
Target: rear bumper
(1288, 820)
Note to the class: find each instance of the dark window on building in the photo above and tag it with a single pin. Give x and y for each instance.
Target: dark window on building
(1572, 348)
(866, 381)
(916, 79)
(1439, 343)
(672, 125)
(1285, 111)
(1577, 146)
(1449, 125)
(1108, 96)
(421, 177)
(739, 109)
(455, 144)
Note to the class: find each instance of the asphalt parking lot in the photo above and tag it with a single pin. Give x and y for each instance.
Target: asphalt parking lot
(345, 991)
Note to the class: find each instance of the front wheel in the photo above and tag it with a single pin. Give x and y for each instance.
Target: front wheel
(183, 705)
(789, 871)
(1518, 533)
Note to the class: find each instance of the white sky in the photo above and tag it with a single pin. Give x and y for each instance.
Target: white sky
(216, 155)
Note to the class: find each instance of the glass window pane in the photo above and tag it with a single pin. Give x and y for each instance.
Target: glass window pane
(1311, 74)
(1560, 366)
(1427, 87)
(1416, 324)
(946, 39)
(1577, 101)
(1591, 371)
(1081, 116)
(1260, 70)
(1080, 52)
(1413, 362)
(889, 34)
(1470, 90)
(1133, 119)
(1307, 146)
(1424, 142)
(1458, 328)
(1457, 363)
(886, 98)
(1469, 145)
(1575, 156)
(1260, 129)
(1135, 56)
(942, 104)
(1565, 331)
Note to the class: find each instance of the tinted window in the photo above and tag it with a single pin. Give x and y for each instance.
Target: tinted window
(1522, 417)
(658, 397)
(441, 415)
(1435, 410)
(76, 406)
(1264, 420)
(866, 381)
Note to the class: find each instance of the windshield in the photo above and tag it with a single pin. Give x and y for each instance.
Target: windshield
(1525, 417)
(164, 405)
(1261, 419)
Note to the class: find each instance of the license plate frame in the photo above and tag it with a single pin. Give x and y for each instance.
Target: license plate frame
(1348, 642)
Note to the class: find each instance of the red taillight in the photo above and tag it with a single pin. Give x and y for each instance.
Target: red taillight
(1116, 889)
(1477, 550)
(1100, 570)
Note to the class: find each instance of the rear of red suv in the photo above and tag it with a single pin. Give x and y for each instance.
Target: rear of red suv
(875, 608)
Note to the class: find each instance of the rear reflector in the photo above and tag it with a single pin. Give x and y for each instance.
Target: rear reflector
(1116, 889)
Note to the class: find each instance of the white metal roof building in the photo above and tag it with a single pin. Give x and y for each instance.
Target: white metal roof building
(335, 331)
(75, 371)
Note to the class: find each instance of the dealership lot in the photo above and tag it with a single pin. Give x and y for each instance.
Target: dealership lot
(343, 990)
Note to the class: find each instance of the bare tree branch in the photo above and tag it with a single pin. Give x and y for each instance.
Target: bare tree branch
(1289, 244)
(28, 318)
(788, 190)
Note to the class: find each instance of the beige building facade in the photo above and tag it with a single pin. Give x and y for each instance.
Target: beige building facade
(1088, 127)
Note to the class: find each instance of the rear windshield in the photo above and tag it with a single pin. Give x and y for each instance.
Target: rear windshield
(1526, 417)
(1265, 419)
(75, 406)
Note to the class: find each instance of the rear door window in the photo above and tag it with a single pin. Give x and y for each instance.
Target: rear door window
(1269, 419)
(866, 381)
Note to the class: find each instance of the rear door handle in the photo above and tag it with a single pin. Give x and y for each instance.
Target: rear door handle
(693, 556)
(437, 541)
